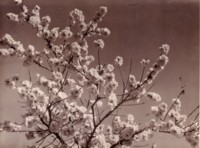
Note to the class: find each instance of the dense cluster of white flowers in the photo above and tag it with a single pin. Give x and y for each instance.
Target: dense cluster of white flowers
(57, 105)
(154, 96)
(159, 65)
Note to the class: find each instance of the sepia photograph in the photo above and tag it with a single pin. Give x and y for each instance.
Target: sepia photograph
(99, 73)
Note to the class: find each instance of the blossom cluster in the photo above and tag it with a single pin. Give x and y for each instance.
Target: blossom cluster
(159, 65)
(74, 101)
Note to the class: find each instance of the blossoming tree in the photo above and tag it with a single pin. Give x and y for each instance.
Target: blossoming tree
(70, 105)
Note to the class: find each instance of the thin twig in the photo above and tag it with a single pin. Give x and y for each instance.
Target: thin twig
(182, 92)
(141, 145)
(42, 66)
(99, 62)
(194, 122)
(133, 104)
(42, 140)
(50, 142)
(130, 68)
(87, 31)
(196, 117)
(192, 111)
(121, 77)
(29, 75)
(143, 69)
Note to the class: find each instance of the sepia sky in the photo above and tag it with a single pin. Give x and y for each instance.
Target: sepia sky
(138, 28)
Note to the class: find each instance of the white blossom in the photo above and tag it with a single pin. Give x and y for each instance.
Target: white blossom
(99, 104)
(34, 20)
(77, 15)
(104, 32)
(145, 62)
(46, 21)
(110, 87)
(112, 100)
(119, 61)
(66, 33)
(110, 68)
(132, 81)
(13, 17)
(76, 92)
(30, 121)
(62, 95)
(100, 13)
(7, 52)
(159, 110)
(154, 96)
(99, 43)
(93, 89)
(54, 33)
(58, 76)
(165, 49)
(18, 1)
(130, 118)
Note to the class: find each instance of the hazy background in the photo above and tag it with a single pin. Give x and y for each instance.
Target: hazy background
(138, 28)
